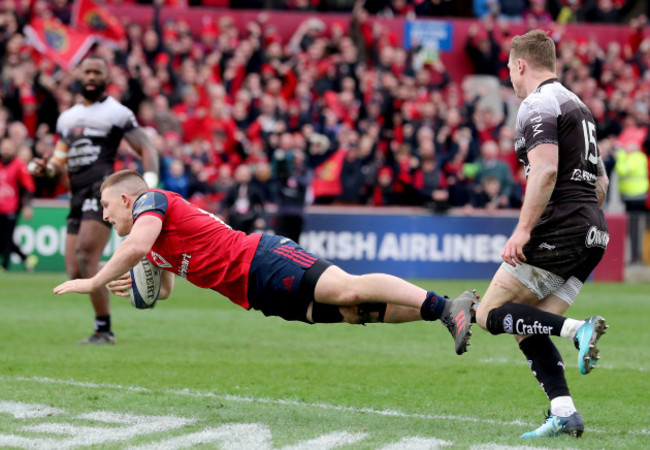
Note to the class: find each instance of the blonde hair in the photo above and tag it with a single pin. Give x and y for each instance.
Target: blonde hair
(130, 180)
(536, 48)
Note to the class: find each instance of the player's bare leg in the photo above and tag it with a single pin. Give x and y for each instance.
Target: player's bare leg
(83, 252)
(358, 315)
(337, 287)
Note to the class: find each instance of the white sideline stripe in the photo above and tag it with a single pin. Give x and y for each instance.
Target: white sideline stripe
(24, 411)
(326, 406)
(418, 443)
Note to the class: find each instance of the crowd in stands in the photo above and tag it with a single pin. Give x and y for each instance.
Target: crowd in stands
(338, 115)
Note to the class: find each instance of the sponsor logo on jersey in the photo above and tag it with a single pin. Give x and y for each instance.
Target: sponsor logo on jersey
(507, 324)
(546, 246)
(583, 175)
(536, 120)
(90, 204)
(144, 203)
(535, 328)
(77, 132)
(83, 153)
(185, 264)
(160, 261)
(597, 238)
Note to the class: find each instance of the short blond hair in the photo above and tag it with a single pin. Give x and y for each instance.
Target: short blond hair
(536, 48)
(130, 180)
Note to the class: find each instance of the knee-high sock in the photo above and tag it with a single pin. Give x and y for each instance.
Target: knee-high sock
(516, 318)
(546, 363)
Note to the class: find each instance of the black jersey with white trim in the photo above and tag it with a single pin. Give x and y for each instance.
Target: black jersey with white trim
(93, 134)
(553, 114)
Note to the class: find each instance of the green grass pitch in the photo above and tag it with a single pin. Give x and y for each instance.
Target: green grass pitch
(198, 370)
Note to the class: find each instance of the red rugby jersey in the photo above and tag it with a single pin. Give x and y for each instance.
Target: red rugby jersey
(198, 246)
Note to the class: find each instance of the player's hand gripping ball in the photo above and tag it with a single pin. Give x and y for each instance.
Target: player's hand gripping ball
(146, 284)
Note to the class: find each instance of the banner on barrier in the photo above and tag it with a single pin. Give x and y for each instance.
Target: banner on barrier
(423, 246)
(44, 236)
(408, 244)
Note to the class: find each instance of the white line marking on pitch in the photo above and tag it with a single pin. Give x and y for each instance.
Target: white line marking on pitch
(25, 411)
(244, 436)
(418, 443)
(326, 406)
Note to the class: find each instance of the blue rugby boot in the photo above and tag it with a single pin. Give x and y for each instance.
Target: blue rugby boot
(556, 425)
(585, 341)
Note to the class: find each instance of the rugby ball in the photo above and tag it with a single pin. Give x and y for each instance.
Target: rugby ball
(146, 284)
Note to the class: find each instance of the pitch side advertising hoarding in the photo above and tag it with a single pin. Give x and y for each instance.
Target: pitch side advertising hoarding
(408, 242)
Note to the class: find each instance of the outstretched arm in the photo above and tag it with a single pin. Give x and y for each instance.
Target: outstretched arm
(140, 142)
(135, 247)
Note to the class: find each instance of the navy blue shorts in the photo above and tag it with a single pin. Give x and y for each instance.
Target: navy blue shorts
(283, 277)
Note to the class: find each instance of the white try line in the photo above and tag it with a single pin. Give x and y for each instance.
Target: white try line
(283, 402)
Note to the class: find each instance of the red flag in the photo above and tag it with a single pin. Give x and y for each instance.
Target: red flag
(327, 176)
(88, 16)
(63, 45)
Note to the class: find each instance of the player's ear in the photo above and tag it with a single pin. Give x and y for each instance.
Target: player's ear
(125, 199)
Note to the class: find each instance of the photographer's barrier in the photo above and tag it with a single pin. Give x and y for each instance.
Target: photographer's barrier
(407, 242)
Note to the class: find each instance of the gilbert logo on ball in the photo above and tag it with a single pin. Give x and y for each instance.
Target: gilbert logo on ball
(146, 284)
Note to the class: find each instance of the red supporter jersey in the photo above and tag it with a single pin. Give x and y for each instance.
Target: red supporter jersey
(12, 176)
(198, 246)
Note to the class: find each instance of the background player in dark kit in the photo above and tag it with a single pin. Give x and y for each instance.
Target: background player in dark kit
(89, 135)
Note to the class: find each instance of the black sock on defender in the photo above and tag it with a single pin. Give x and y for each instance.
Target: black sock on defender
(103, 323)
(516, 318)
(433, 306)
(546, 363)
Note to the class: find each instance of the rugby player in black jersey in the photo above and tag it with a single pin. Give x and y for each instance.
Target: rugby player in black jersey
(89, 136)
(561, 234)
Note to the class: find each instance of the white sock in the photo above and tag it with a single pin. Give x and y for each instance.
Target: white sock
(570, 328)
(562, 406)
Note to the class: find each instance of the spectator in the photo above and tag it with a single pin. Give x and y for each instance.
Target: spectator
(487, 195)
(483, 49)
(243, 206)
(175, 179)
(491, 167)
(433, 184)
(435, 8)
(293, 179)
(536, 14)
(607, 11)
(632, 169)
